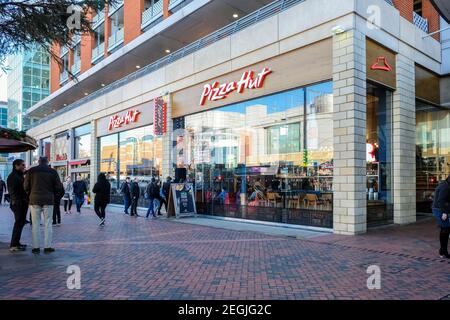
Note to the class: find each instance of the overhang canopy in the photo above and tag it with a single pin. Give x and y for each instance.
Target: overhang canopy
(443, 6)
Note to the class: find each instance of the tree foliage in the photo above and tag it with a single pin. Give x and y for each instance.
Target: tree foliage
(26, 23)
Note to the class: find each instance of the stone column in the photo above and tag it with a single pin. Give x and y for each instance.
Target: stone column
(404, 139)
(167, 166)
(349, 118)
(94, 159)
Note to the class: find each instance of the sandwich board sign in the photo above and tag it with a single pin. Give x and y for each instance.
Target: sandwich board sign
(182, 200)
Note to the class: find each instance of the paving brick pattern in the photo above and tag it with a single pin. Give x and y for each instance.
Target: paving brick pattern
(132, 258)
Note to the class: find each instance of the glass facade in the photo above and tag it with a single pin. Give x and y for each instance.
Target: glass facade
(134, 153)
(28, 83)
(379, 155)
(82, 142)
(258, 160)
(432, 152)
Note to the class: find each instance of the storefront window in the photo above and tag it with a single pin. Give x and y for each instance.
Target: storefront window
(135, 153)
(379, 155)
(61, 144)
(82, 142)
(256, 160)
(46, 148)
(432, 152)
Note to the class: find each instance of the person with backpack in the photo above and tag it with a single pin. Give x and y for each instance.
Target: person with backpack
(152, 193)
(441, 211)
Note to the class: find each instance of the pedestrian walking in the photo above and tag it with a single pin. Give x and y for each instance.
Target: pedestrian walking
(126, 192)
(42, 184)
(68, 195)
(152, 193)
(79, 190)
(135, 194)
(164, 195)
(18, 203)
(57, 208)
(102, 190)
(2, 189)
(441, 211)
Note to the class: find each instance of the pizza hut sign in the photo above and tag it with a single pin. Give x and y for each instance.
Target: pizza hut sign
(118, 121)
(215, 91)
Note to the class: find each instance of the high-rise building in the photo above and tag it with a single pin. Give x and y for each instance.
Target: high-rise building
(28, 83)
(3, 114)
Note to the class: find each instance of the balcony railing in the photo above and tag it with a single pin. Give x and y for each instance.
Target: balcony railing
(98, 52)
(115, 39)
(174, 3)
(152, 14)
(64, 76)
(76, 67)
(420, 22)
(98, 18)
(64, 50)
(113, 9)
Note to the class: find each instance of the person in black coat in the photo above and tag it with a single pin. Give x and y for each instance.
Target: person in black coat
(102, 190)
(135, 194)
(2, 188)
(441, 210)
(18, 203)
(125, 190)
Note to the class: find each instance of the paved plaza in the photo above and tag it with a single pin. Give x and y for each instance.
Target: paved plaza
(134, 258)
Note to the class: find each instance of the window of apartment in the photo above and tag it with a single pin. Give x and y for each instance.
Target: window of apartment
(82, 142)
(418, 7)
(117, 21)
(99, 35)
(65, 63)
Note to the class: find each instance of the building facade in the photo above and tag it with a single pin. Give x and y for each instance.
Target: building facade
(28, 83)
(306, 112)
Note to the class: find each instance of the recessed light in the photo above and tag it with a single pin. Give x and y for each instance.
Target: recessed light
(138, 67)
(103, 84)
(167, 50)
(54, 110)
(85, 93)
(235, 16)
(45, 114)
(65, 104)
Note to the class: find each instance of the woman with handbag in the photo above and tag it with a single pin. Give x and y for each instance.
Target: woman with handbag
(441, 211)
(68, 195)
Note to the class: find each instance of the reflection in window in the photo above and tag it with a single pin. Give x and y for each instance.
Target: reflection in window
(255, 154)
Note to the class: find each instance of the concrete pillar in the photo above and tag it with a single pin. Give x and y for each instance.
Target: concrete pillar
(404, 139)
(349, 118)
(167, 166)
(94, 158)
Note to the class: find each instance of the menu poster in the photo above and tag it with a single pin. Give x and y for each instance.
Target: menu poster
(182, 200)
(160, 117)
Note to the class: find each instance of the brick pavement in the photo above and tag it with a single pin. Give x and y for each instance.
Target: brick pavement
(159, 259)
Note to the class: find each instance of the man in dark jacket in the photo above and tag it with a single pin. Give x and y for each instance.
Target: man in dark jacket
(79, 190)
(152, 192)
(135, 194)
(165, 192)
(2, 188)
(126, 192)
(18, 203)
(42, 184)
(441, 210)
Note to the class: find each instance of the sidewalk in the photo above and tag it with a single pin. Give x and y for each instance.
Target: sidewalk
(135, 258)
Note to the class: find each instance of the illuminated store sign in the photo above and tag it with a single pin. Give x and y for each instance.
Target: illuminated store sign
(159, 116)
(118, 121)
(215, 91)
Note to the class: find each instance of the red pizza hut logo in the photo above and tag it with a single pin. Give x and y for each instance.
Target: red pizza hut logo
(117, 121)
(214, 92)
(61, 157)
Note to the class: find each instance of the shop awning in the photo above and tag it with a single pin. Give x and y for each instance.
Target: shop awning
(443, 7)
(78, 162)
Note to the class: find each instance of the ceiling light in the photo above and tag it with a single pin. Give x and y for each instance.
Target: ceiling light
(103, 84)
(167, 50)
(65, 104)
(85, 93)
(235, 16)
(138, 67)
(339, 29)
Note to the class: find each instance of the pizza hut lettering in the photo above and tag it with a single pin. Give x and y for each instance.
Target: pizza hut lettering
(214, 92)
(117, 121)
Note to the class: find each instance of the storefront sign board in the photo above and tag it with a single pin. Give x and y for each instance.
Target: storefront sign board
(182, 200)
